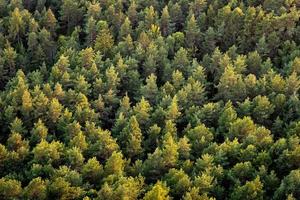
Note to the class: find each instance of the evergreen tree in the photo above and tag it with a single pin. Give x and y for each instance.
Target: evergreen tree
(231, 85)
(71, 14)
(133, 136)
(192, 32)
(150, 90)
(104, 40)
(158, 192)
(165, 22)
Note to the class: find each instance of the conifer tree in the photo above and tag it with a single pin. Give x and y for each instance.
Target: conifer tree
(150, 90)
(104, 40)
(158, 192)
(192, 32)
(133, 136)
(165, 22)
(55, 110)
(231, 85)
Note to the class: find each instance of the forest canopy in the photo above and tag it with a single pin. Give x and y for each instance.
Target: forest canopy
(149, 99)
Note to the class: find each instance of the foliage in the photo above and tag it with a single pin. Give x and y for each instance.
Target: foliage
(149, 99)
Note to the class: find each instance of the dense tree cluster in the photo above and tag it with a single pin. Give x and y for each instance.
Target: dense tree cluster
(150, 99)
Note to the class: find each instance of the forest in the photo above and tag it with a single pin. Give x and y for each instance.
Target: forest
(149, 99)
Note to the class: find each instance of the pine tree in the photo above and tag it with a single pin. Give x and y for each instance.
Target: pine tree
(10, 188)
(133, 136)
(177, 17)
(228, 116)
(241, 128)
(192, 32)
(177, 79)
(91, 31)
(55, 109)
(104, 40)
(26, 103)
(173, 110)
(150, 90)
(132, 13)
(17, 26)
(9, 58)
(198, 6)
(231, 85)
(142, 112)
(92, 171)
(254, 62)
(125, 29)
(158, 192)
(251, 190)
(39, 131)
(79, 141)
(200, 137)
(181, 61)
(165, 22)
(112, 78)
(114, 164)
(262, 108)
(94, 10)
(178, 181)
(150, 17)
(50, 22)
(47, 153)
(193, 194)
(36, 189)
(289, 185)
(71, 14)
(169, 151)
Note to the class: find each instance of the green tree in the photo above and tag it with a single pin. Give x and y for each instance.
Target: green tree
(181, 61)
(231, 85)
(55, 110)
(132, 137)
(150, 17)
(9, 56)
(91, 31)
(26, 103)
(10, 188)
(263, 108)
(289, 185)
(59, 188)
(173, 112)
(45, 152)
(199, 137)
(241, 128)
(192, 32)
(123, 188)
(165, 22)
(158, 192)
(114, 164)
(142, 112)
(104, 40)
(92, 171)
(71, 14)
(50, 22)
(193, 194)
(254, 62)
(74, 158)
(169, 151)
(17, 24)
(36, 189)
(178, 182)
(132, 13)
(227, 116)
(150, 90)
(251, 190)
(125, 29)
